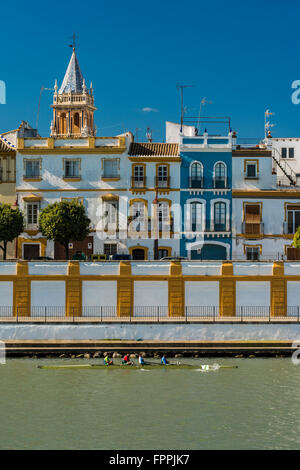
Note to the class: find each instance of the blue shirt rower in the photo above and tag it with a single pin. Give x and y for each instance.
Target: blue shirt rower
(164, 360)
(141, 361)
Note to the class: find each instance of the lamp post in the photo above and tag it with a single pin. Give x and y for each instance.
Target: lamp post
(155, 203)
(16, 204)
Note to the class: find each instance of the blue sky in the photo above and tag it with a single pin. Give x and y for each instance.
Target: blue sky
(242, 56)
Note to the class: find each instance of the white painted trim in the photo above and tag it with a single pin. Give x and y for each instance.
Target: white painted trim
(187, 213)
(212, 212)
(199, 163)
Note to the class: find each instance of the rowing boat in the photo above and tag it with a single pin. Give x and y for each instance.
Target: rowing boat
(139, 367)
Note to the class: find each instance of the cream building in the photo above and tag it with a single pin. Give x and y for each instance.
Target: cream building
(73, 163)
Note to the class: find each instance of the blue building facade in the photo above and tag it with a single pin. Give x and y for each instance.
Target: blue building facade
(206, 197)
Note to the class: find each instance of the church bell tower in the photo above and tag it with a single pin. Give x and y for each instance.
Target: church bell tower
(73, 104)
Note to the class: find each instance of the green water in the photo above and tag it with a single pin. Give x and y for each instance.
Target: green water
(256, 406)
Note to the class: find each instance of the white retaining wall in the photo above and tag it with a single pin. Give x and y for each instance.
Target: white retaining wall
(213, 332)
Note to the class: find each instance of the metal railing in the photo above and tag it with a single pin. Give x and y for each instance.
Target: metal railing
(284, 166)
(257, 257)
(162, 182)
(138, 182)
(220, 182)
(196, 182)
(152, 314)
(253, 228)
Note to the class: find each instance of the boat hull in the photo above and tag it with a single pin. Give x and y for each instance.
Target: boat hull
(135, 367)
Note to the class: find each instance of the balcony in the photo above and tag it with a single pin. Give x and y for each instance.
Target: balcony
(196, 182)
(250, 228)
(138, 183)
(143, 225)
(110, 177)
(162, 182)
(220, 183)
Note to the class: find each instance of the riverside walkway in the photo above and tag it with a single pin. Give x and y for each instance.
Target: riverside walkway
(42, 348)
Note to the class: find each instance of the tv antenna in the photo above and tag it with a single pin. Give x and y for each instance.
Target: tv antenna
(203, 102)
(268, 125)
(39, 105)
(181, 88)
(149, 134)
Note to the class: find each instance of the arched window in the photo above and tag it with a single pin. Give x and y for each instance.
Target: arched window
(196, 175)
(196, 216)
(76, 127)
(63, 124)
(220, 217)
(220, 175)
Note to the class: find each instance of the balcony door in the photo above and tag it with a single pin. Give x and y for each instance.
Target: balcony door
(220, 175)
(162, 176)
(139, 176)
(196, 180)
(220, 216)
(196, 216)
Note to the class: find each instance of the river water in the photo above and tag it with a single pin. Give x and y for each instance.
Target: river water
(256, 406)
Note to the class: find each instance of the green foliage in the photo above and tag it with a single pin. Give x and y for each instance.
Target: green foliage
(64, 222)
(11, 225)
(296, 239)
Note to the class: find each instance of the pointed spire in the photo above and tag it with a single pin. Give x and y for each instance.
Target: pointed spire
(73, 80)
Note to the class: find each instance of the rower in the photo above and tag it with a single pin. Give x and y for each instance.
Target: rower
(164, 360)
(141, 360)
(126, 360)
(107, 361)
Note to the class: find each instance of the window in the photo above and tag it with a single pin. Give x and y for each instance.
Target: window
(72, 168)
(32, 168)
(163, 253)
(196, 216)
(252, 253)
(293, 218)
(110, 249)
(251, 170)
(220, 175)
(220, 216)
(196, 178)
(32, 214)
(283, 152)
(162, 179)
(111, 168)
(291, 152)
(138, 176)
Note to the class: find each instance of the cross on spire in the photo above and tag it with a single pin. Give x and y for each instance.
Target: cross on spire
(73, 45)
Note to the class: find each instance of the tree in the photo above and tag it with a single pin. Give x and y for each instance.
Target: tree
(296, 239)
(11, 225)
(64, 222)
